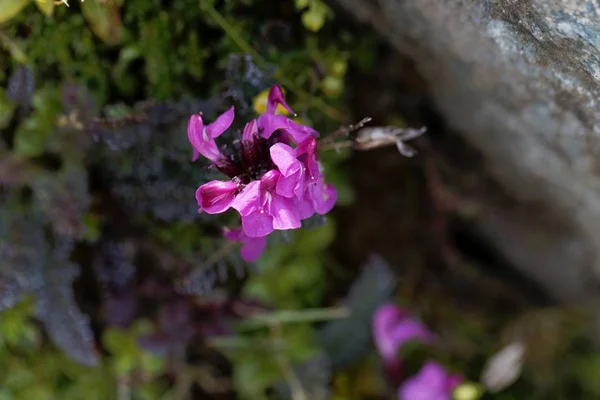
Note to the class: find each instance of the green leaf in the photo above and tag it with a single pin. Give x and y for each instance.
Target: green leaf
(19, 377)
(15, 328)
(313, 19)
(104, 20)
(253, 375)
(332, 86)
(5, 395)
(151, 364)
(10, 8)
(30, 138)
(114, 340)
(15, 50)
(7, 109)
(294, 284)
(91, 225)
(125, 81)
(125, 363)
(311, 241)
(45, 6)
(32, 134)
(339, 179)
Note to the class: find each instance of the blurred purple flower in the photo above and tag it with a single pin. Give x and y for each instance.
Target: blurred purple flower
(252, 248)
(431, 383)
(393, 327)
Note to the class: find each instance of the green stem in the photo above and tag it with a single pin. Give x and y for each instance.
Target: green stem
(294, 316)
(240, 342)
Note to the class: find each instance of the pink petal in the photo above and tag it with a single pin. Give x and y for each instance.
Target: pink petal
(252, 248)
(257, 224)
(434, 374)
(285, 160)
(308, 146)
(248, 200)
(306, 152)
(216, 197)
(292, 170)
(276, 97)
(430, 383)
(269, 123)
(200, 140)
(323, 196)
(304, 208)
(453, 381)
(289, 186)
(221, 124)
(393, 327)
(269, 180)
(234, 235)
(300, 133)
(284, 213)
(250, 130)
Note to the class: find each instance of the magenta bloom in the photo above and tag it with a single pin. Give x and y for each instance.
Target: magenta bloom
(392, 328)
(203, 137)
(263, 210)
(275, 180)
(431, 383)
(252, 247)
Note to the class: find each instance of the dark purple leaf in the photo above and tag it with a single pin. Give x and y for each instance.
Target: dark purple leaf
(64, 199)
(348, 339)
(21, 87)
(116, 275)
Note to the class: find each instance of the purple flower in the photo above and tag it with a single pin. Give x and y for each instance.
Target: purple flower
(431, 383)
(252, 247)
(263, 210)
(216, 196)
(392, 328)
(275, 178)
(203, 137)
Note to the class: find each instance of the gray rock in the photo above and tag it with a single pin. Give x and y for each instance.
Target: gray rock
(520, 79)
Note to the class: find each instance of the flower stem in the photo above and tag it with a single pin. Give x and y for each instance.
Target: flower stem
(293, 382)
(294, 316)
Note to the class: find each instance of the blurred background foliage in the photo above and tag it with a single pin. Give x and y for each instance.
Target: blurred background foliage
(113, 287)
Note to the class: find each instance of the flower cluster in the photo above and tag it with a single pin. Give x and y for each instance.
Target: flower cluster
(275, 180)
(393, 327)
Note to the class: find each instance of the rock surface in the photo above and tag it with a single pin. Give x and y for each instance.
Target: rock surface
(520, 80)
